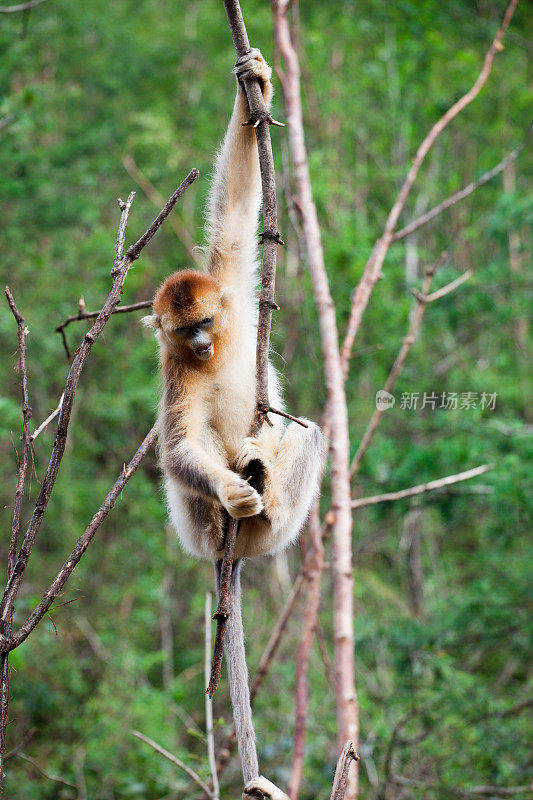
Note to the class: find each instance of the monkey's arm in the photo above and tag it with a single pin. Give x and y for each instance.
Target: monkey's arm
(198, 470)
(235, 195)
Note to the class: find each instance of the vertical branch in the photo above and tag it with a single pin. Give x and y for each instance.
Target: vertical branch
(340, 780)
(26, 415)
(314, 569)
(270, 239)
(374, 264)
(7, 624)
(347, 713)
(209, 702)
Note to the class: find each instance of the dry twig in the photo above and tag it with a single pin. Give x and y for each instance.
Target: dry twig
(81, 546)
(20, 7)
(398, 364)
(121, 264)
(423, 219)
(157, 199)
(6, 623)
(209, 732)
(314, 564)
(44, 424)
(374, 264)
(440, 483)
(340, 780)
(175, 760)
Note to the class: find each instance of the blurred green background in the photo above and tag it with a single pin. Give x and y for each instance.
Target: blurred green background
(89, 94)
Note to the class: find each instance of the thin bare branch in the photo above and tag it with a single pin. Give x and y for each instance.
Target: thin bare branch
(275, 637)
(133, 252)
(265, 662)
(81, 545)
(161, 750)
(6, 623)
(340, 780)
(209, 732)
(47, 421)
(26, 415)
(440, 483)
(157, 199)
(423, 219)
(120, 269)
(54, 778)
(398, 365)
(288, 416)
(93, 314)
(313, 575)
(374, 264)
(20, 7)
(430, 298)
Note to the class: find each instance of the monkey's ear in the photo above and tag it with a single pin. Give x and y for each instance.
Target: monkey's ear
(151, 321)
(227, 296)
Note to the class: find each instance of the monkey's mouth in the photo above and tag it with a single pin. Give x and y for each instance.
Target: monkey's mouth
(205, 351)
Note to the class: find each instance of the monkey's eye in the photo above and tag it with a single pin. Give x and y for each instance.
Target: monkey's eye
(181, 331)
(207, 322)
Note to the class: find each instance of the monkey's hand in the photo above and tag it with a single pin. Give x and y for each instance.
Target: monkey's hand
(260, 788)
(240, 499)
(253, 65)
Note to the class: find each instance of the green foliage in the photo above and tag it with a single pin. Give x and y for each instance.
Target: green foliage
(441, 694)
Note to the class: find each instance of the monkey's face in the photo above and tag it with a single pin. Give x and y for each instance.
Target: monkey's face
(192, 310)
(197, 336)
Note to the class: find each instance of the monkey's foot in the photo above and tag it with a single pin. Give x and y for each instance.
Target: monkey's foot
(253, 65)
(250, 450)
(240, 499)
(260, 788)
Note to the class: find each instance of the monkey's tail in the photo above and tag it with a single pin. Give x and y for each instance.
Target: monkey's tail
(238, 675)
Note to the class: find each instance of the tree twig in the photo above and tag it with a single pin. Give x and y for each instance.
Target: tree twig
(430, 298)
(313, 574)
(467, 190)
(175, 760)
(265, 662)
(208, 701)
(288, 416)
(47, 421)
(440, 483)
(81, 545)
(157, 199)
(6, 623)
(372, 270)
(54, 778)
(121, 265)
(340, 781)
(398, 364)
(93, 314)
(20, 7)
(26, 415)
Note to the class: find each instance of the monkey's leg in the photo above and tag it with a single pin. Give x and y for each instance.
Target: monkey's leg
(238, 675)
(292, 477)
(290, 473)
